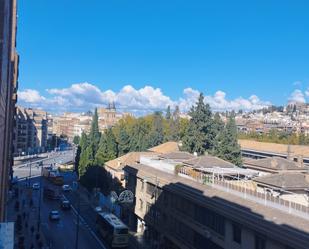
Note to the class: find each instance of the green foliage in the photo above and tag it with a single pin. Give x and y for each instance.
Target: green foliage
(123, 141)
(94, 135)
(168, 113)
(226, 146)
(199, 135)
(76, 140)
(156, 135)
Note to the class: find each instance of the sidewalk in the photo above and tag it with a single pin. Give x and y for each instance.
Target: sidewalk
(25, 215)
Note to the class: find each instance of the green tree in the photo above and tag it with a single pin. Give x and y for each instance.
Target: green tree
(156, 135)
(199, 136)
(228, 148)
(94, 135)
(123, 141)
(76, 140)
(107, 148)
(168, 113)
(139, 135)
(86, 160)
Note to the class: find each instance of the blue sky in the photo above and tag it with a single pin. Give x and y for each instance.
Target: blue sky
(229, 50)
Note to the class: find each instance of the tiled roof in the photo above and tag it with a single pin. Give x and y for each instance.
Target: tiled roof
(165, 148)
(208, 162)
(287, 181)
(274, 163)
(275, 148)
(129, 158)
(177, 156)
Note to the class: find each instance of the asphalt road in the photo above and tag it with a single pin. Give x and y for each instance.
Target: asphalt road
(59, 234)
(23, 170)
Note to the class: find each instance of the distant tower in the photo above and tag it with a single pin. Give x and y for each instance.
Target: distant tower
(113, 106)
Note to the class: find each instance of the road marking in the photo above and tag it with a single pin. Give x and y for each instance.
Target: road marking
(89, 228)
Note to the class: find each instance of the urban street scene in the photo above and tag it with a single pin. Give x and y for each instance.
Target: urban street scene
(154, 125)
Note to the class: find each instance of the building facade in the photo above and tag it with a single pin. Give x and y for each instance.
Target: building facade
(176, 212)
(31, 131)
(8, 94)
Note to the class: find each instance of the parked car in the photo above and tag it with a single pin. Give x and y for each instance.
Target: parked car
(54, 215)
(65, 205)
(36, 186)
(66, 188)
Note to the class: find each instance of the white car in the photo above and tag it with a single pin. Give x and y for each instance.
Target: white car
(54, 215)
(66, 188)
(36, 186)
(98, 209)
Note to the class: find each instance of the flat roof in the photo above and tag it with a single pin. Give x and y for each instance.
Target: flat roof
(273, 215)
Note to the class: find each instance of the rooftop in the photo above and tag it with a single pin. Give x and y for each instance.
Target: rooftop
(286, 181)
(275, 163)
(165, 148)
(208, 161)
(253, 212)
(129, 158)
(179, 156)
(274, 148)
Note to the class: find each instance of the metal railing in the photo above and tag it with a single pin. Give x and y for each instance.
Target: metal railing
(266, 199)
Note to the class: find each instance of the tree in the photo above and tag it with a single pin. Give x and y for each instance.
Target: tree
(168, 113)
(156, 135)
(123, 141)
(76, 140)
(228, 148)
(107, 148)
(86, 160)
(199, 135)
(94, 135)
(139, 136)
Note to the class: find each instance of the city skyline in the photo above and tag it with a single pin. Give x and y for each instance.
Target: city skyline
(146, 56)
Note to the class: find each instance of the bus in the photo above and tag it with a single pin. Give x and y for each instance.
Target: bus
(112, 229)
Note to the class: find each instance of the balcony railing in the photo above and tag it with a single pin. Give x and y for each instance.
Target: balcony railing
(266, 199)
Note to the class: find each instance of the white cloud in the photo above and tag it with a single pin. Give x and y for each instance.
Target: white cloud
(307, 92)
(30, 96)
(297, 97)
(85, 96)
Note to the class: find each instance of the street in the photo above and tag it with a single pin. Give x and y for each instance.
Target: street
(58, 234)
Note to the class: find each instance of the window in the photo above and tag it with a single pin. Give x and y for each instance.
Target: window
(237, 233)
(150, 189)
(142, 187)
(260, 242)
(141, 204)
(200, 242)
(210, 219)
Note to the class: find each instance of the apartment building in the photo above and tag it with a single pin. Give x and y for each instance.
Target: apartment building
(8, 97)
(31, 131)
(178, 212)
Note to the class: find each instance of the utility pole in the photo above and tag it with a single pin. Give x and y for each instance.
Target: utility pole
(40, 198)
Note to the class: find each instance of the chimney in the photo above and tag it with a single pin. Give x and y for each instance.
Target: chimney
(195, 153)
(118, 162)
